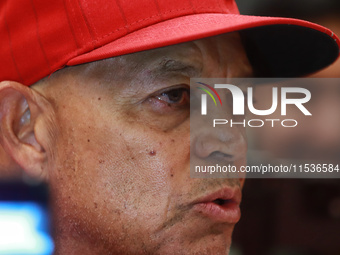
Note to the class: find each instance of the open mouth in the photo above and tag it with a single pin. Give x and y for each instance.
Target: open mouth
(221, 206)
(222, 201)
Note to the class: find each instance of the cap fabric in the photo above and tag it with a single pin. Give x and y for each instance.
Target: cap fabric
(39, 37)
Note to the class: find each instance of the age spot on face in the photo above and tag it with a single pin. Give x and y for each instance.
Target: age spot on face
(152, 153)
(171, 172)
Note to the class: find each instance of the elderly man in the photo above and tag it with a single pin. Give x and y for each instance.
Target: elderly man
(109, 132)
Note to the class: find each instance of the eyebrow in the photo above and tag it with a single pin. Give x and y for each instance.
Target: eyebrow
(176, 66)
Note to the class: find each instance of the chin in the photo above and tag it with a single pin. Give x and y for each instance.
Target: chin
(209, 245)
(204, 250)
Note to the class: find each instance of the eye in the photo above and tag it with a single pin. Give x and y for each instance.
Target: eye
(170, 99)
(176, 96)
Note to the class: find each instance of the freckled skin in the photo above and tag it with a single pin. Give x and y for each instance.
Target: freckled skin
(119, 167)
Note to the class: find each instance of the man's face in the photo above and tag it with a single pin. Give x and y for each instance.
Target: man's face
(119, 163)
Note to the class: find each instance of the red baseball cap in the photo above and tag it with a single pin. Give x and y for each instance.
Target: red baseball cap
(39, 37)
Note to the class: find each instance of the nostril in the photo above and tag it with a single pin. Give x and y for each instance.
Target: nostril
(217, 155)
(210, 147)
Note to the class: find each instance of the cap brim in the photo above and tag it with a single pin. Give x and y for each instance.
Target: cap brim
(277, 47)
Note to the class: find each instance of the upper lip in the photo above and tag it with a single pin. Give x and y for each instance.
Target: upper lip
(230, 194)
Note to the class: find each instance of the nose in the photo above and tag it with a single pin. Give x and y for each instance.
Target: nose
(220, 144)
(218, 153)
(217, 146)
(225, 141)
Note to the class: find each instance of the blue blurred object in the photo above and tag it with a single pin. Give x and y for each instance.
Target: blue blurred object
(24, 229)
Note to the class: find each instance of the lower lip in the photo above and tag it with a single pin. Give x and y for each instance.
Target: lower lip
(229, 213)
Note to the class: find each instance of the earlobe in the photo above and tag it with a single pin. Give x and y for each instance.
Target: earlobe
(22, 134)
(8, 168)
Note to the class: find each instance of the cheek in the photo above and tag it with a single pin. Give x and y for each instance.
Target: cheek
(141, 161)
(143, 170)
(127, 169)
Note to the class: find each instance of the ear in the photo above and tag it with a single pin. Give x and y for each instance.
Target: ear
(25, 117)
